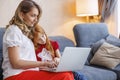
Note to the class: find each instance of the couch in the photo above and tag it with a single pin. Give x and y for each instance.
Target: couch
(85, 35)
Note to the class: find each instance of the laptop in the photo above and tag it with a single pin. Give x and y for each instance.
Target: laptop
(73, 58)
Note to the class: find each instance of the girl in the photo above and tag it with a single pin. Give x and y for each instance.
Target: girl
(46, 50)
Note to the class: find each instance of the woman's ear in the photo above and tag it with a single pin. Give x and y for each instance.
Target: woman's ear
(21, 15)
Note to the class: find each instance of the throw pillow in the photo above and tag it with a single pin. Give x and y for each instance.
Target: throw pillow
(107, 55)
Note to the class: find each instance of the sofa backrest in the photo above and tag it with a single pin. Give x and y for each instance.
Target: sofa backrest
(88, 33)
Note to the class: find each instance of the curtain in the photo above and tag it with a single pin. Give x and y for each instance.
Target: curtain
(105, 8)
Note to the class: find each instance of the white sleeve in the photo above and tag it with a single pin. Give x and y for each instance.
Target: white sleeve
(13, 38)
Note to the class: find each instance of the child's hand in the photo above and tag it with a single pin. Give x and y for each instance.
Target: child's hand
(50, 64)
(57, 60)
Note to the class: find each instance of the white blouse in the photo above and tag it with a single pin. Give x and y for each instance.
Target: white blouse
(14, 37)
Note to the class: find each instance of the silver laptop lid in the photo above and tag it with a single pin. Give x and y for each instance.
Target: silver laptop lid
(73, 58)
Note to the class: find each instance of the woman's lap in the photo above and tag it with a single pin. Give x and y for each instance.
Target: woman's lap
(44, 75)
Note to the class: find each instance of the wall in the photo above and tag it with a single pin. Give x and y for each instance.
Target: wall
(58, 17)
(7, 9)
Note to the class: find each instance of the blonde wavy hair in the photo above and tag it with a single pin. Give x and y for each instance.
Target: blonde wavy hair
(25, 7)
(38, 30)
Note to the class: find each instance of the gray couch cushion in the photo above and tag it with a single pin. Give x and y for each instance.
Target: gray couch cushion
(94, 73)
(63, 42)
(113, 40)
(2, 30)
(117, 71)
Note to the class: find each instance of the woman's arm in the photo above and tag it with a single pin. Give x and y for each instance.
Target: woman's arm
(16, 62)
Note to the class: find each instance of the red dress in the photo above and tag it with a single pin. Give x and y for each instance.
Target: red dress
(43, 75)
(42, 47)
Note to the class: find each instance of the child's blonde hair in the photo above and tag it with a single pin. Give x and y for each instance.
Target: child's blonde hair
(36, 32)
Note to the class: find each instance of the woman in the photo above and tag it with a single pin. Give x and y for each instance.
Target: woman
(19, 59)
